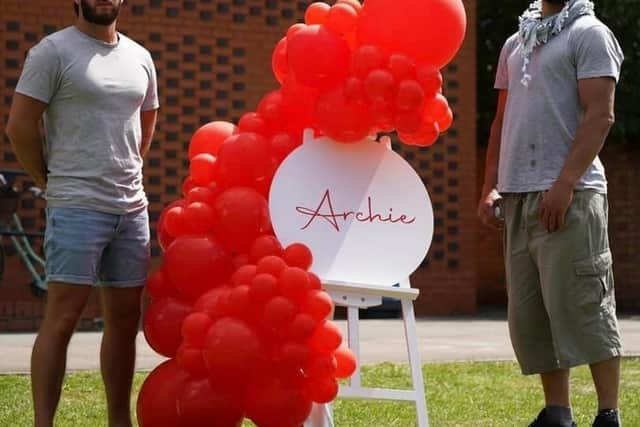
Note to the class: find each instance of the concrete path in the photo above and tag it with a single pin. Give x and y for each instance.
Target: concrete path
(440, 339)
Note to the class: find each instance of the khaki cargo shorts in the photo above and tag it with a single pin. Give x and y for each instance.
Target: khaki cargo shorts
(562, 310)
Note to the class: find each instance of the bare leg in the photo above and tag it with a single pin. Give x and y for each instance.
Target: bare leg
(48, 360)
(556, 387)
(606, 377)
(121, 311)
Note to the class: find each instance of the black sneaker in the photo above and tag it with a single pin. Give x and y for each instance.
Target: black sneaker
(607, 418)
(542, 421)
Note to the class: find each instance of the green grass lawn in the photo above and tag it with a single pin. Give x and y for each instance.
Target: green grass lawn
(458, 394)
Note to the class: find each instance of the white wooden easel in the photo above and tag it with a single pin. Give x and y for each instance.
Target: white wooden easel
(355, 297)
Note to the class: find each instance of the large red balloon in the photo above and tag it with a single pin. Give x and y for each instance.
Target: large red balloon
(231, 351)
(162, 325)
(277, 404)
(241, 215)
(318, 57)
(158, 397)
(164, 237)
(196, 264)
(429, 31)
(244, 159)
(202, 405)
(346, 362)
(326, 338)
(342, 119)
(209, 137)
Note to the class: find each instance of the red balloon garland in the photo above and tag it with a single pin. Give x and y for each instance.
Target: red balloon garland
(244, 321)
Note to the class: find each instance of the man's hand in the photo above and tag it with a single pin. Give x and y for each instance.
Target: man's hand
(555, 204)
(486, 210)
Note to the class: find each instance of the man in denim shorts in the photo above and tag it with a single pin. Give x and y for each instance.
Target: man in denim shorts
(97, 94)
(556, 79)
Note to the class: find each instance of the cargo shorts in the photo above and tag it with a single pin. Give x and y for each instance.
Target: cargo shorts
(562, 309)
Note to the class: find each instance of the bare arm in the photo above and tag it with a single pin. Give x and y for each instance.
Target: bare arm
(148, 123)
(597, 98)
(24, 133)
(489, 193)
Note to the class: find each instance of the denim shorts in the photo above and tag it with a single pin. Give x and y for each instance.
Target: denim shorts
(87, 247)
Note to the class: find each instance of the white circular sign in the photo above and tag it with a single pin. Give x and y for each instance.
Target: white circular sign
(361, 208)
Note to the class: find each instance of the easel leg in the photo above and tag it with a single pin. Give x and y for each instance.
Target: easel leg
(409, 318)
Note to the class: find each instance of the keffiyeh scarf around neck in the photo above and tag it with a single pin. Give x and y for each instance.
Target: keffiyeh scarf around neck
(535, 30)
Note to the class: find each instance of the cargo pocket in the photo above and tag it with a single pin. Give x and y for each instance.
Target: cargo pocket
(592, 285)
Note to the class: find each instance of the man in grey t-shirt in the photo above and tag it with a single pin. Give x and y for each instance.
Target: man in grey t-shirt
(556, 79)
(96, 93)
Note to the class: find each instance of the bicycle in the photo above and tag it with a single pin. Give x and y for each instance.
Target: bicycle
(11, 227)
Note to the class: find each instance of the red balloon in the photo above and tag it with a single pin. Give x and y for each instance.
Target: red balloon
(320, 68)
(195, 327)
(346, 362)
(408, 121)
(279, 60)
(366, 59)
(321, 366)
(302, 327)
(277, 404)
(409, 27)
(354, 89)
(272, 265)
(241, 215)
(158, 397)
(243, 275)
(240, 301)
(272, 109)
(318, 304)
(294, 355)
(196, 264)
(200, 404)
(203, 168)
(252, 122)
(244, 160)
(425, 136)
(294, 29)
(231, 350)
(162, 325)
(316, 13)
(263, 287)
(355, 4)
(410, 96)
(430, 79)
(342, 18)
(294, 283)
(174, 221)
(437, 108)
(216, 302)
(240, 260)
(379, 85)
(187, 185)
(401, 67)
(322, 390)
(298, 101)
(264, 246)
(158, 286)
(202, 194)
(298, 255)
(326, 338)
(164, 238)
(383, 112)
(314, 281)
(278, 312)
(208, 138)
(445, 122)
(282, 144)
(190, 359)
(198, 218)
(341, 119)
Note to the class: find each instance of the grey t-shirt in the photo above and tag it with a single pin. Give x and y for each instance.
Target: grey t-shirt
(95, 92)
(541, 121)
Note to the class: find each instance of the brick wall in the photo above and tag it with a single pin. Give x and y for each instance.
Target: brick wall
(621, 163)
(213, 61)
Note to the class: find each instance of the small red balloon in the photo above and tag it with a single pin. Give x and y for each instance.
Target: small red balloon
(346, 362)
(318, 304)
(326, 338)
(272, 265)
(243, 275)
(264, 246)
(298, 255)
(208, 138)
